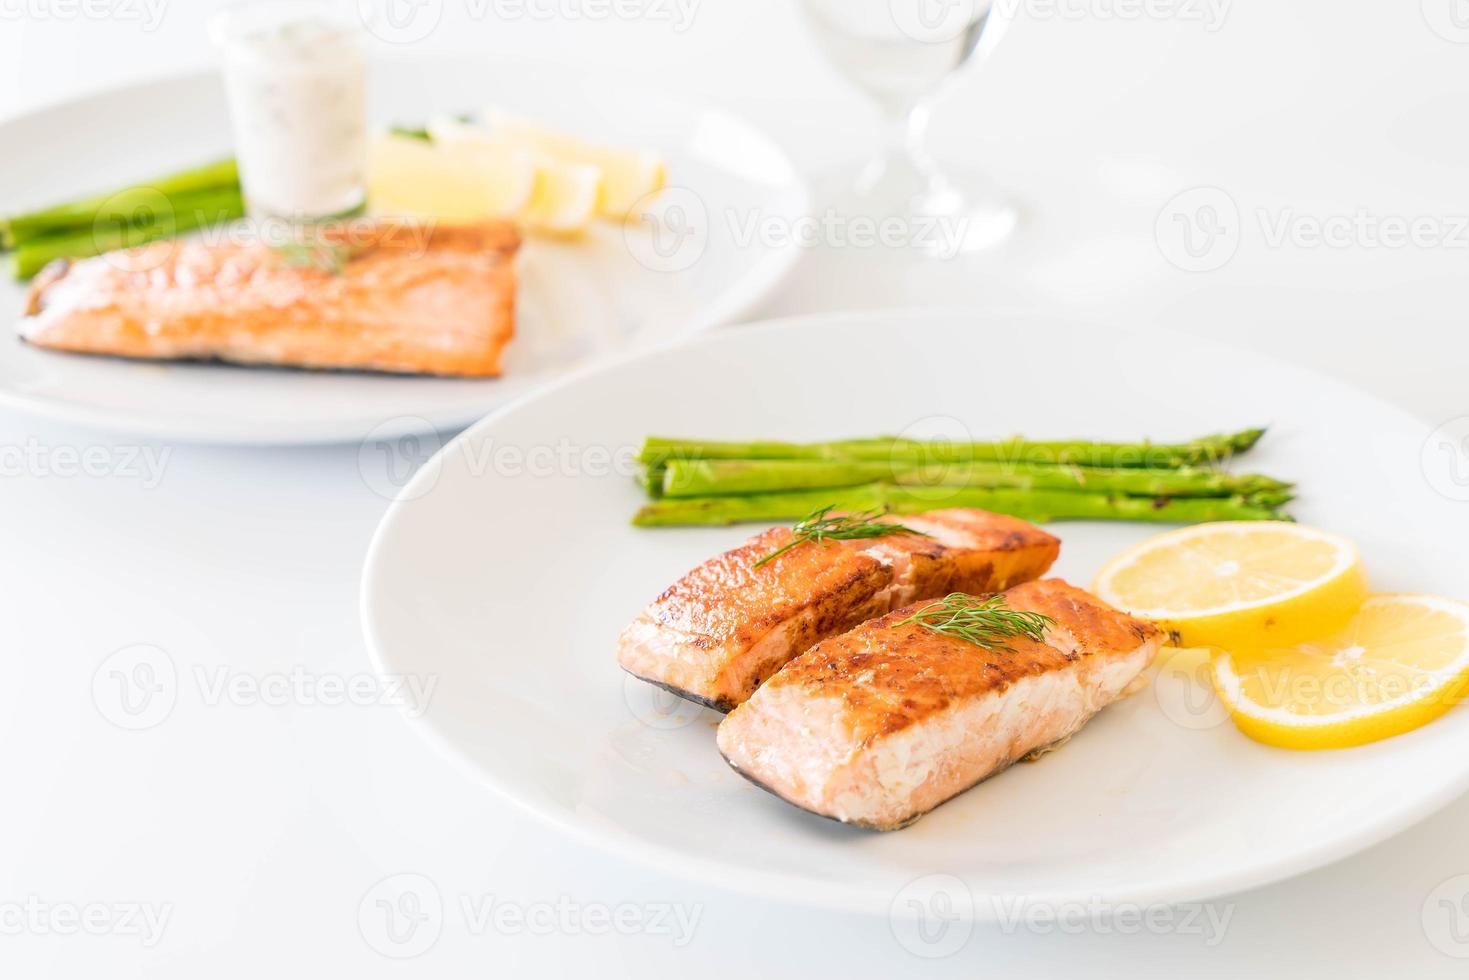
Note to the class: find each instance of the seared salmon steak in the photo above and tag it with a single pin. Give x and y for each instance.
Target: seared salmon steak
(881, 724)
(717, 633)
(380, 296)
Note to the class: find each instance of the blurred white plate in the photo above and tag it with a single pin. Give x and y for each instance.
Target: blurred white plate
(510, 586)
(620, 289)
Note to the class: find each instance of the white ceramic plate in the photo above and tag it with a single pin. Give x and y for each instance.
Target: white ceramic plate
(621, 289)
(511, 587)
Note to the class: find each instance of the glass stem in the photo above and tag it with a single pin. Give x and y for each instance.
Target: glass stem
(915, 143)
(905, 169)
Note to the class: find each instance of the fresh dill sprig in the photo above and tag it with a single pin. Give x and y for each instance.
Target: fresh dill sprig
(984, 622)
(329, 257)
(819, 527)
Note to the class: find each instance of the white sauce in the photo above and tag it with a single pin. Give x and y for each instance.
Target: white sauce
(297, 95)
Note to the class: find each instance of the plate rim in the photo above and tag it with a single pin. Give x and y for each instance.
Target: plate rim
(796, 889)
(744, 295)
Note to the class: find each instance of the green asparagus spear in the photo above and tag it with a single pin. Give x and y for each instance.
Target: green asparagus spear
(657, 451)
(1270, 499)
(1034, 505)
(79, 216)
(185, 212)
(716, 477)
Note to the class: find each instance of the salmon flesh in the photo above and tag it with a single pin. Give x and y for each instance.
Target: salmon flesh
(878, 726)
(394, 297)
(720, 631)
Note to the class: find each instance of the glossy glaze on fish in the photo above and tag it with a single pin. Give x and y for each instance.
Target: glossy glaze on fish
(881, 724)
(717, 633)
(388, 296)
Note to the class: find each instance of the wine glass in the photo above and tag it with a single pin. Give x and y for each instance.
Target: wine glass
(901, 53)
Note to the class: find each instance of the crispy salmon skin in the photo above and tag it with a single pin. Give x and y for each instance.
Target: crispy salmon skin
(878, 726)
(394, 297)
(717, 633)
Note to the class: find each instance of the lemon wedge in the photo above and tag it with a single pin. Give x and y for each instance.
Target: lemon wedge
(565, 195)
(1239, 585)
(564, 201)
(628, 175)
(1401, 662)
(456, 183)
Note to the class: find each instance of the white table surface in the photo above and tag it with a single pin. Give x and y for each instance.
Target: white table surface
(260, 827)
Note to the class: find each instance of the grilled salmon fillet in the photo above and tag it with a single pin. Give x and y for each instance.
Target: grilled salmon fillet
(411, 299)
(717, 633)
(881, 724)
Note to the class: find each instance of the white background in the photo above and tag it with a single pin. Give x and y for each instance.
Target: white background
(263, 827)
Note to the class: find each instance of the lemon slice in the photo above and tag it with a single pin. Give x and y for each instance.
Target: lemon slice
(564, 201)
(1401, 662)
(628, 176)
(1239, 584)
(564, 196)
(507, 178)
(458, 183)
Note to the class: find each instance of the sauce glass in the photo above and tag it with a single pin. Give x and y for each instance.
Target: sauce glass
(296, 79)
